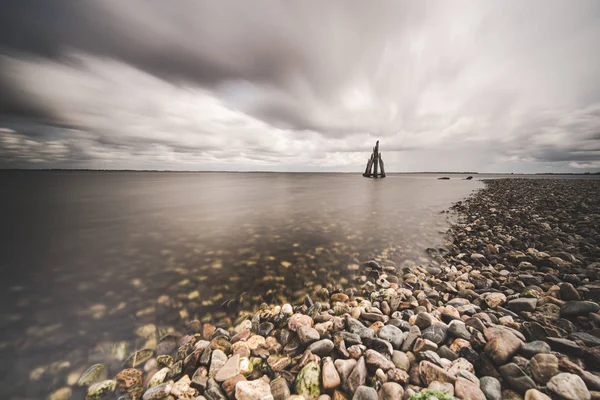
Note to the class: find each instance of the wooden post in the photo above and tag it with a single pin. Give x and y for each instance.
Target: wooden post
(375, 159)
(369, 165)
(381, 165)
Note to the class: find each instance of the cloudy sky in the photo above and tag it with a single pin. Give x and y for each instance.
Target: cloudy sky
(507, 86)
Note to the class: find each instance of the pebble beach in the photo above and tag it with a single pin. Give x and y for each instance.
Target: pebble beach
(507, 308)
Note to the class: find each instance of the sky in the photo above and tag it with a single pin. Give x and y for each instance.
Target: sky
(300, 85)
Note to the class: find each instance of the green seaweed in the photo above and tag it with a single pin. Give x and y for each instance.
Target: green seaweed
(426, 394)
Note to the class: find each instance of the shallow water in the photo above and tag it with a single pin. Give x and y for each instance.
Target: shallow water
(87, 257)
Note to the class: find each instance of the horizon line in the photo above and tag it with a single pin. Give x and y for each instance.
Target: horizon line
(289, 172)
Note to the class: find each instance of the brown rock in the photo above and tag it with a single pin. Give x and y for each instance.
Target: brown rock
(127, 379)
(229, 385)
(430, 372)
(502, 344)
(544, 367)
(465, 389)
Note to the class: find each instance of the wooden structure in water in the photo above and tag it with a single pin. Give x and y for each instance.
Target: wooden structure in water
(372, 170)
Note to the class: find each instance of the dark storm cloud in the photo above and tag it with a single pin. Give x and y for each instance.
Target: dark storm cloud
(208, 82)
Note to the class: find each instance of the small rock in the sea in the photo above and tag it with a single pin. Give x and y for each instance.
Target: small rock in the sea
(93, 374)
(98, 390)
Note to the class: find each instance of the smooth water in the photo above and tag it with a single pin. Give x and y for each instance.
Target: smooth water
(88, 257)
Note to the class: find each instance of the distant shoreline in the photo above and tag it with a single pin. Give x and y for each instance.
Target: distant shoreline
(290, 172)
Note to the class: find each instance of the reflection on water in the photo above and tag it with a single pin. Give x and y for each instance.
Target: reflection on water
(90, 257)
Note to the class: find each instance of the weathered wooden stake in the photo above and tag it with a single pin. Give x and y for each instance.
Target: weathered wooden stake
(381, 165)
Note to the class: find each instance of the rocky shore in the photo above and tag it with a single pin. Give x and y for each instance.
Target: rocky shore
(507, 309)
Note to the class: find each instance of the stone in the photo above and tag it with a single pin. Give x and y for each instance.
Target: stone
(502, 344)
(493, 299)
(307, 334)
(586, 338)
(436, 333)
(258, 389)
(516, 378)
(543, 367)
(458, 329)
(350, 338)
(230, 369)
(100, 390)
(356, 327)
(95, 373)
(430, 372)
(158, 392)
(465, 389)
(365, 393)
(159, 377)
(280, 389)
(568, 292)
(576, 308)
(569, 387)
(391, 391)
(534, 394)
(230, 384)
(128, 379)
(297, 320)
(522, 304)
(322, 347)
(401, 360)
(422, 345)
(63, 393)
(217, 361)
(397, 375)
(424, 320)
(511, 395)
(376, 360)
(330, 378)
(265, 328)
(138, 358)
(357, 377)
(442, 387)
(491, 388)
(564, 346)
(392, 334)
(530, 349)
(182, 390)
(308, 383)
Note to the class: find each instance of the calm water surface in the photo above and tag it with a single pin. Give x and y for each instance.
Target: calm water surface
(88, 257)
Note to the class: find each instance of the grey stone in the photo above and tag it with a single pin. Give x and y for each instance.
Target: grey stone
(491, 387)
(437, 333)
(365, 393)
(530, 349)
(522, 304)
(576, 308)
(516, 378)
(321, 348)
(392, 334)
(229, 370)
(458, 329)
